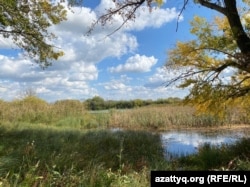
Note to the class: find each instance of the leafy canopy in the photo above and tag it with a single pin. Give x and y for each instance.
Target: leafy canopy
(26, 22)
(214, 68)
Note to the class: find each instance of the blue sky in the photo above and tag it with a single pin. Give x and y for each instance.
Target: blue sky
(126, 65)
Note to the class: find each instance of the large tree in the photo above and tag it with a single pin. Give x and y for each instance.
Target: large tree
(220, 47)
(216, 64)
(26, 22)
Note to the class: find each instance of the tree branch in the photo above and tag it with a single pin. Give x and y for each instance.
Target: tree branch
(179, 15)
(214, 6)
(133, 5)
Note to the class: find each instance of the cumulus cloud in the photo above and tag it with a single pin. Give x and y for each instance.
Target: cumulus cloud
(136, 63)
(116, 85)
(155, 19)
(6, 43)
(122, 83)
(72, 75)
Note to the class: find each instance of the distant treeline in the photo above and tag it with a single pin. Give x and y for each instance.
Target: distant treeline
(98, 103)
(32, 109)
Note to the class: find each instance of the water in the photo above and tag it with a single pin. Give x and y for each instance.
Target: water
(181, 143)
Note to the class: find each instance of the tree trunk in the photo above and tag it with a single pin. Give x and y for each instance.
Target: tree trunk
(243, 41)
(230, 11)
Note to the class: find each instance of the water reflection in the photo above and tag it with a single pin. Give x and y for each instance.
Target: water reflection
(181, 143)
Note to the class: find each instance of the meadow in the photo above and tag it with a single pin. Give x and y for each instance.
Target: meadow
(64, 144)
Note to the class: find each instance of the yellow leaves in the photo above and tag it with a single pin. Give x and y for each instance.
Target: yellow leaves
(197, 24)
(186, 54)
(210, 68)
(187, 83)
(246, 20)
(223, 26)
(186, 48)
(159, 2)
(221, 23)
(45, 6)
(57, 55)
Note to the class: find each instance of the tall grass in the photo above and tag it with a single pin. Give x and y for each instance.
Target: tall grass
(63, 157)
(161, 118)
(219, 157)
(63, 144)
(34, 110)
(56, 156)
(72, 113)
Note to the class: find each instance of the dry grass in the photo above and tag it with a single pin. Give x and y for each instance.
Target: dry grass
(72, 113)
(161, 118)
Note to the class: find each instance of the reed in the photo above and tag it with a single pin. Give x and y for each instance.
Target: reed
(161, 118)
(72, 113)
(57, 156)
(220, 157)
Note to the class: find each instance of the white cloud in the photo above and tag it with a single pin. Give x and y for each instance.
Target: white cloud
(159, 77)
(11, 67)
(120, 84)
(116, 85)
(72, 75)
(122, 88)
(155, 19)
(163, 76)
(144, 17)
(7, 43)
(136, 63)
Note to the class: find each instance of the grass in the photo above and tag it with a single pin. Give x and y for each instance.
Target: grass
(72, 113)
(62, 157)
(219, 157)
(160, 118)
(55, 156)
(65, 145)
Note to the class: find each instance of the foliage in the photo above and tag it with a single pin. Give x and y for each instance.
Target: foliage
(214, 66)
(98, 103)
(26, 24)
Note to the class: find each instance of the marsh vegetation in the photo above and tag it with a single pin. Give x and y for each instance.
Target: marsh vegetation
(65, 144)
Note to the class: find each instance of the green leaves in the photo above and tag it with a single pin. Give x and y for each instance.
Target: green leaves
(26, 22)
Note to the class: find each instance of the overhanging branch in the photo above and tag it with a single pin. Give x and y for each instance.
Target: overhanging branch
(214, 6)
(120, 10)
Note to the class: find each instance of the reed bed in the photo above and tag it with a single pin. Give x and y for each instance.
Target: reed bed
(63, 144)
(164, 118)
(72, 113)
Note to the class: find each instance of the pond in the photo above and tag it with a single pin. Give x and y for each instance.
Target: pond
(181, 143)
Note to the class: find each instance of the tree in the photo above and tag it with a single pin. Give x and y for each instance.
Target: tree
(219, 47)
(96, 103)
(203, 63)
(26, 23)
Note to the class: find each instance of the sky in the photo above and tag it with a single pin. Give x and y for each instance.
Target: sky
(127, 65)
